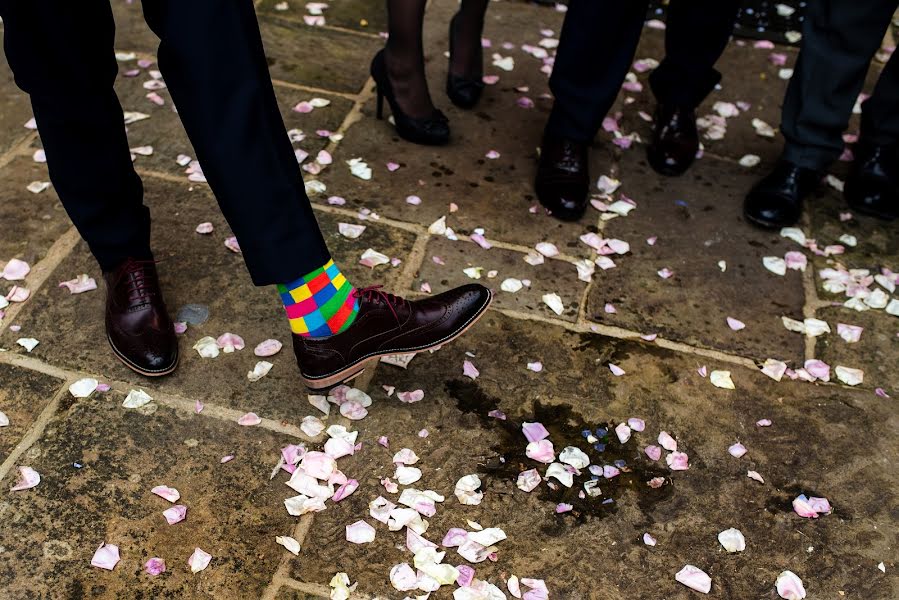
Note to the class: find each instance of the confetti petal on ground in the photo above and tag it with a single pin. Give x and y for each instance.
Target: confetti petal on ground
(136, 399)
(469, 370)
(649, 540)
(360, 532)
(249, 419)
(83, 387)
(199, 560)
(175, 514)
(721, 379)
(732, 540)
(528, 480)
(789, 586)
(169, 493)
(267, 348)
(850, 376)
(541, 451)
(410, 397)
(289, 543)
(677, 461)
(695, 579)
(79, 285)
(737, 450)
(28, 478)
(154, 566)
(15, 270)
(554, 302)
(106, 557)
(754, 475)
(206, 347)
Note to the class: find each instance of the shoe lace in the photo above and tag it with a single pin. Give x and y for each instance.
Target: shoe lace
(375, 293)
(139, 281)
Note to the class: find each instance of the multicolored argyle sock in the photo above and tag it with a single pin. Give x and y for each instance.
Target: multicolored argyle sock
(321, 303)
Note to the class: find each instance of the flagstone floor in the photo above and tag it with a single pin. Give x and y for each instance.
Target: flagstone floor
(99, 460)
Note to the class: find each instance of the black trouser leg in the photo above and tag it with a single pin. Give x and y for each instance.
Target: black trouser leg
(839, 38)
(212, 59)
(596, 48)
(697, 34)
(880, 112)
(61, 54)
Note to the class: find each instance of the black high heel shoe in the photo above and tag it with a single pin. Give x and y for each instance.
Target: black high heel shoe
(430, 131)
(464, 92)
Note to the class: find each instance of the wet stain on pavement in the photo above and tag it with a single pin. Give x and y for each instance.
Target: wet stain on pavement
(566, 428)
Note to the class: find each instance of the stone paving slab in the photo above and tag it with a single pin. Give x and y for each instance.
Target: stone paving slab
(132, 32)
(29, 223)
(316, 57)
(234, 511)
(349, 14)
(879, 341)
(488, 192)
(197, 269)
(550, 277)
(23, 396)
(693, 236)
(812, 433)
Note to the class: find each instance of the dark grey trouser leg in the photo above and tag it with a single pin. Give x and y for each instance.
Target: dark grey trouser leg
(839, 38)
(880, 112)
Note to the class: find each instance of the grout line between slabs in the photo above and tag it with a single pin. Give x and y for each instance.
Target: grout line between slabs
(18, 148)
(300, 531)
(313, 90)
(36, 429)
(174, 401)
(40, 272)
(335, 28)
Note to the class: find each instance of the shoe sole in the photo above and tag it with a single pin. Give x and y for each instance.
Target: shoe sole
(356, 369)
(125, 361)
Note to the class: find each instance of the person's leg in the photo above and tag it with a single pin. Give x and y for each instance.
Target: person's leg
(596, 48)
(468, 25)
(838, 41)
(61, 54)
(697, 33)
(211, 57)
(872, 186)
(405, 57)
(880, 112)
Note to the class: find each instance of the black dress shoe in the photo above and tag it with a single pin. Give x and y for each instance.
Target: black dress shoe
(776, 200)
(432, 130)
(675, 140)
(138, 326)
(562, 178)
(872, 187)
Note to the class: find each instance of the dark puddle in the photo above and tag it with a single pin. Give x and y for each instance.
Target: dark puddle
(566, 428)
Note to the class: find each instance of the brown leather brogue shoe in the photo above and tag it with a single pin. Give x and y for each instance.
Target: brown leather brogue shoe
(675, 140)
(138, 326)
(387, 324)
(563, 181)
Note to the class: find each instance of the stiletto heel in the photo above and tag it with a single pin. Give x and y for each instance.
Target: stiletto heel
(430, 131)
(464, 92)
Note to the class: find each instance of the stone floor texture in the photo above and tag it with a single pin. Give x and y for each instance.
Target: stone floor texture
(627, 343)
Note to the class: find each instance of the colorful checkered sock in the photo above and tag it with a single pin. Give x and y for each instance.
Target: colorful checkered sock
(321, 303)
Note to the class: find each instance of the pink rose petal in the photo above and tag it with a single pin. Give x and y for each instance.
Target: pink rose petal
(28, 478)
(345, 490)
(667, 442)
(175, 514)
(534, 432)
(229, 342)
(653, 452)
(469, 370)
(155, 566)
(106, 557)
(636, 424)
(695, 579)
(410, 397)
(267, 348)
(353, 410)
(169, 493)
(763, 423)
(677, 461)
(737, 450)
(232, 245)
(735, 324)
(789, 586)
(249, 419)
(360, 532)
(541, 451)
(199, 560)
(15, 270)
(616, 370)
